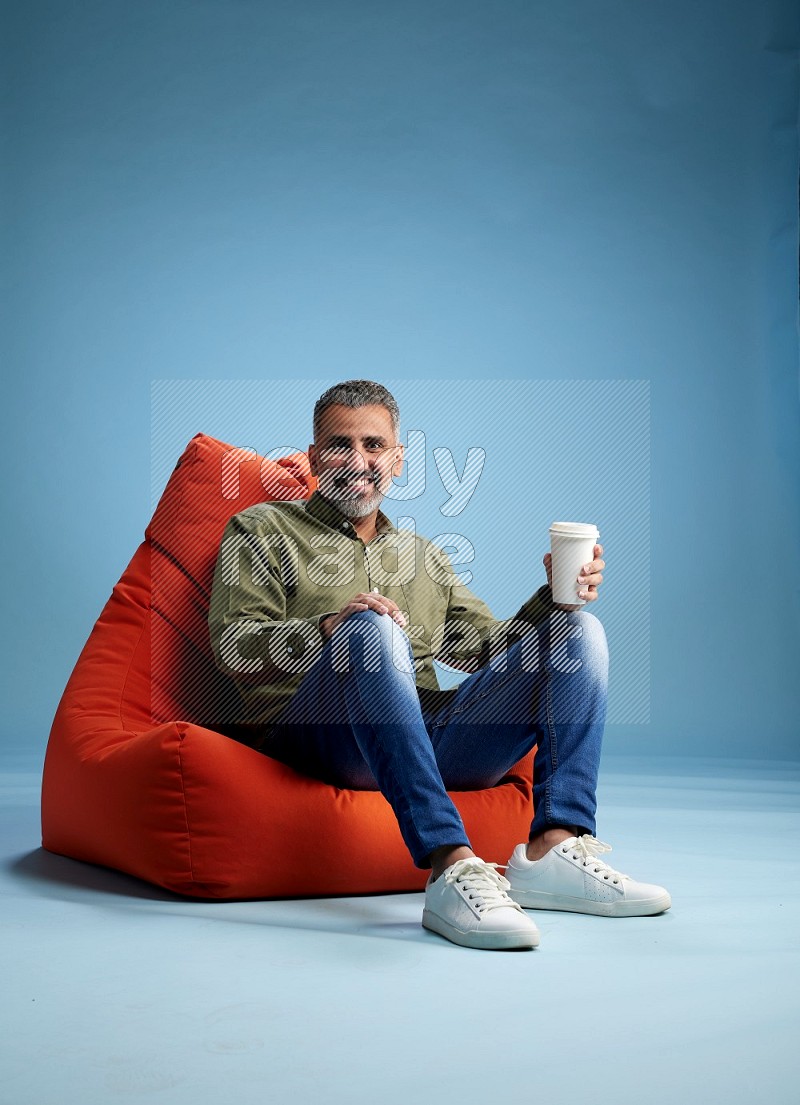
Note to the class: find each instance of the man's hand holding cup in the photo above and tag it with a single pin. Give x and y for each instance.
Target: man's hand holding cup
(574, 573)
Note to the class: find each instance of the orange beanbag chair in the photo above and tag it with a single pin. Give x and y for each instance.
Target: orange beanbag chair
(141, 772)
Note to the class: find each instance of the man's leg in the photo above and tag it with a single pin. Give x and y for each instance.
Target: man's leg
(355, 721)
(549, 690)
(365, 677)
(559, 704)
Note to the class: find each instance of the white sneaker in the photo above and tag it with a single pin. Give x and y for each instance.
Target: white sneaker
(469, 905)
(571, 876)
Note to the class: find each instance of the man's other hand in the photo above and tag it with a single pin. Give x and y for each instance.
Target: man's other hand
(362, 601)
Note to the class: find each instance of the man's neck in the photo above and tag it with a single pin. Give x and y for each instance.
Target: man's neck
(365, 527)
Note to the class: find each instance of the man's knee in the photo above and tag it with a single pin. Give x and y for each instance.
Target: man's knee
(578, 642)
(371, 642)
(592, 633)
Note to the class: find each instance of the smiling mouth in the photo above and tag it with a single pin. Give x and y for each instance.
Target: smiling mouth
(355, 485)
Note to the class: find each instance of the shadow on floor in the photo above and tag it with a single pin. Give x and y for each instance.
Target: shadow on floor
(376, 915)
(51, 871)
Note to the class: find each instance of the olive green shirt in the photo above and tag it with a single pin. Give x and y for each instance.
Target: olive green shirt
(285, 566)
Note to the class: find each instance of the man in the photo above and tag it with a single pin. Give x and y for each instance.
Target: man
(330, 629)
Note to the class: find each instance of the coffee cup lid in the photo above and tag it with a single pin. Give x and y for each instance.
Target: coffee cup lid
(574, 529)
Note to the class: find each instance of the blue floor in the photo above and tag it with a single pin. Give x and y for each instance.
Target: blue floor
(115, 991)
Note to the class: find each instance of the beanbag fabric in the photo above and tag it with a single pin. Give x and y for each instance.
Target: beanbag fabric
(141, 773)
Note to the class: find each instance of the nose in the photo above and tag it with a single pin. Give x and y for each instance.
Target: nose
(358, 460)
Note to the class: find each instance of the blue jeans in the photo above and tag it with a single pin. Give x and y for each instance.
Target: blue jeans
(358, 721)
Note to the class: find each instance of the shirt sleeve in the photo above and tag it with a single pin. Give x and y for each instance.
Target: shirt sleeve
(471, 634)
(252, 638)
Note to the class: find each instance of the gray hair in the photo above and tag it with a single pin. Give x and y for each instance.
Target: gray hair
(357, 393)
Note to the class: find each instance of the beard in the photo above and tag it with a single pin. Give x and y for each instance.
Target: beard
(352, 502)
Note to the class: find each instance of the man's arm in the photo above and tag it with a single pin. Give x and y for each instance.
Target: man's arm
(252, 638)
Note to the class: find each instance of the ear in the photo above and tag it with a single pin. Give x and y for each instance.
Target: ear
(397, 467)
(313, 459)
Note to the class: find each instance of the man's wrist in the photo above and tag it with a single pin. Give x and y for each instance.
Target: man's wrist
(324, 629)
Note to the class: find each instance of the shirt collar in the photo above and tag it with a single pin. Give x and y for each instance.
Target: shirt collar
(319, 507)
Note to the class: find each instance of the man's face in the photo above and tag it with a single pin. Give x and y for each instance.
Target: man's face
(355, 456)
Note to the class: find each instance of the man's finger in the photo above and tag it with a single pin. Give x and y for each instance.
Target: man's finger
(371, 596)
(372, 602)
(390, 608)
(353, 608)
(380, 604)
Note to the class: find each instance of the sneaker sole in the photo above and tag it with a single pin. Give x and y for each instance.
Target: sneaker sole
(486, 941)
(535, 899)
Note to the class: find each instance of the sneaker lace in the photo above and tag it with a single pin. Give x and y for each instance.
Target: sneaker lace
(482, 883)
(589, 849)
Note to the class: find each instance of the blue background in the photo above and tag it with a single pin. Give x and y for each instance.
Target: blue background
(460, 191)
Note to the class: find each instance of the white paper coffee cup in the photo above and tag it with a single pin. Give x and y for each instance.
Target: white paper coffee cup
(571, 545)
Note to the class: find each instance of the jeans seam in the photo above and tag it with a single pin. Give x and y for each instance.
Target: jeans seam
(553, 743)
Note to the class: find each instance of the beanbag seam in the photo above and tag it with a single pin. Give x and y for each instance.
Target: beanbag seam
(180, 729)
